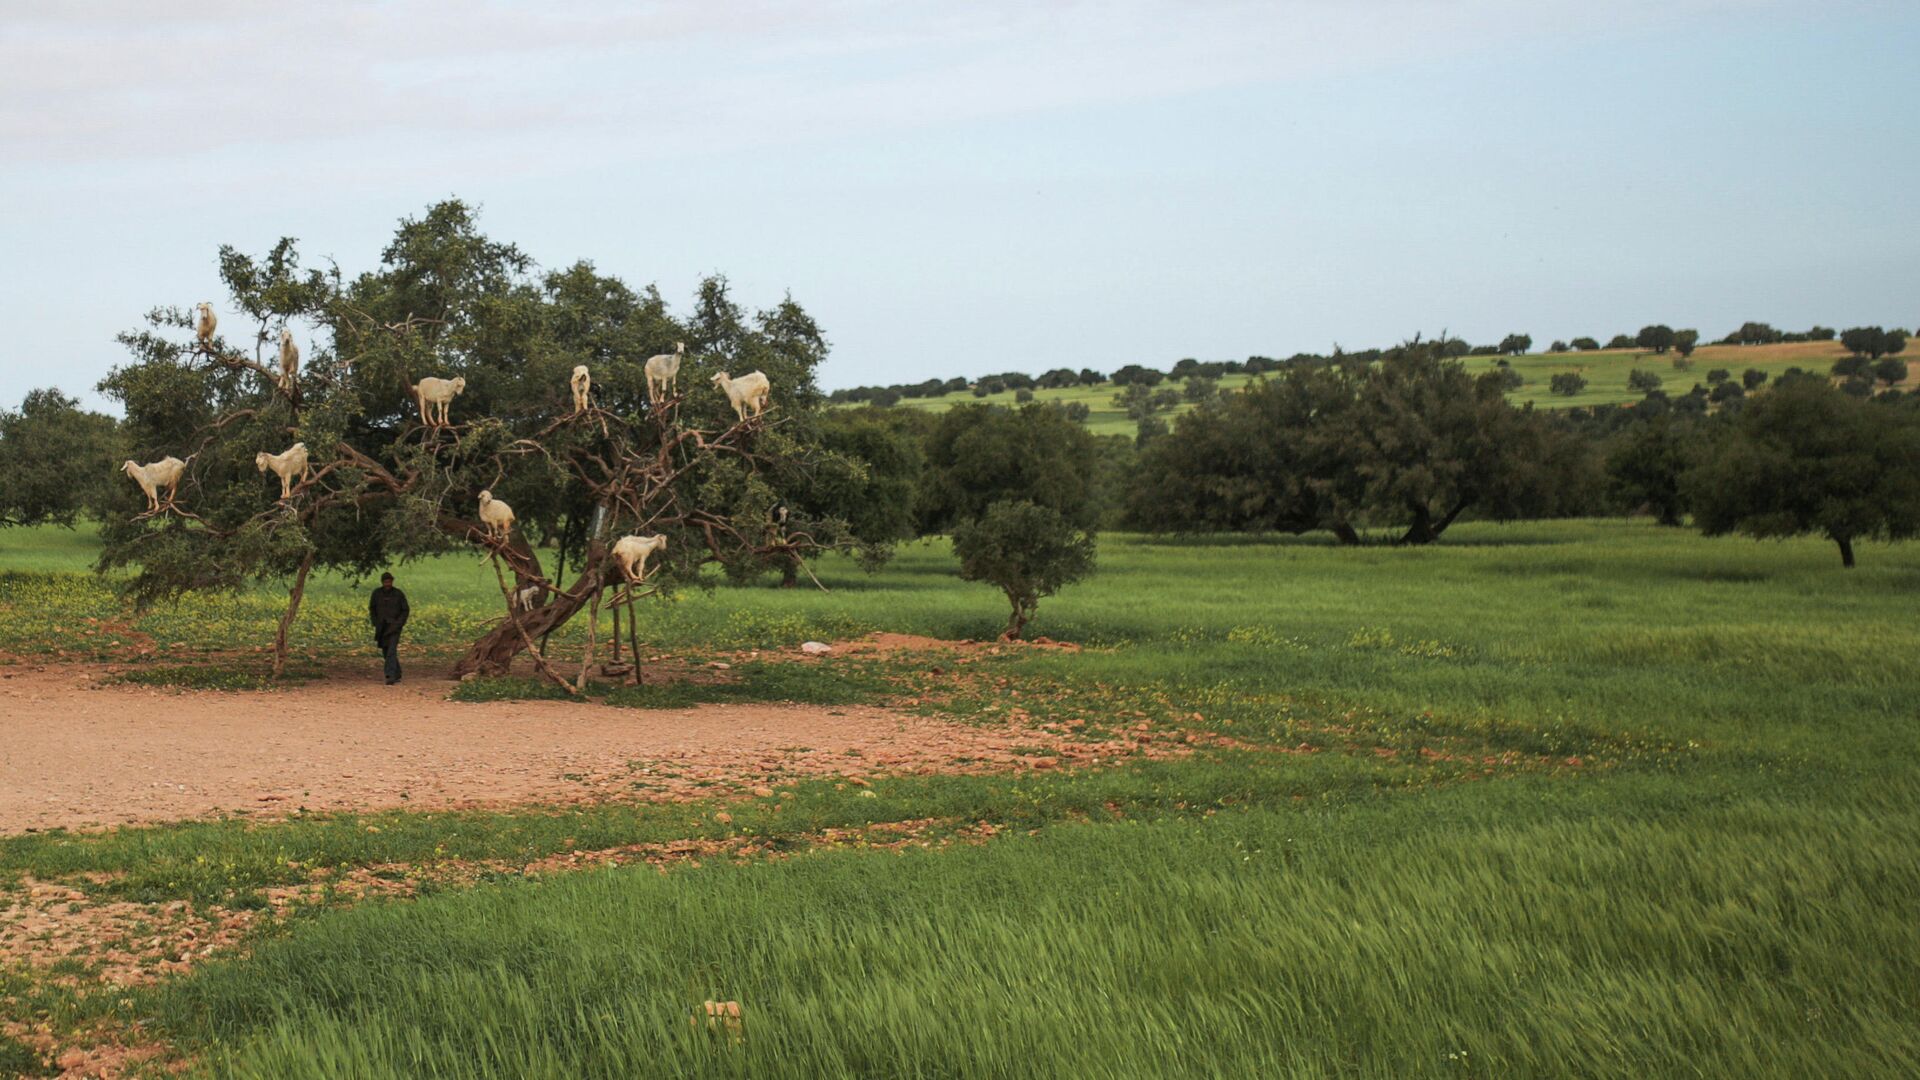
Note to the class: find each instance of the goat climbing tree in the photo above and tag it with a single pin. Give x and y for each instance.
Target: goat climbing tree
(447, 301)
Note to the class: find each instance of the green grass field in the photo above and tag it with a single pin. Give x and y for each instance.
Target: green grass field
(1605, 371)
(1562, 799)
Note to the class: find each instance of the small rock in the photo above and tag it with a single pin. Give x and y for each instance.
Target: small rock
(815, 648)
(763, 792)
(72, 1060)
(723, 818)
(720, 665)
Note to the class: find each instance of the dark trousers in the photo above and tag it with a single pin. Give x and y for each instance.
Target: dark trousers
(390, 648)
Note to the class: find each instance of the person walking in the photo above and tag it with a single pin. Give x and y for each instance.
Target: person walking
(387, 608)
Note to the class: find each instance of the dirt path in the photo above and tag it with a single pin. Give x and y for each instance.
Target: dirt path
(77, 754)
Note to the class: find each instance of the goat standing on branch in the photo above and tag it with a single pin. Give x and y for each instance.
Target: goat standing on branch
(287, 465)
(496, 516)
(289, 361)
(748, 391)
(164, 473)
(632, 553)
(203, 324)
(437, 394)
(663, 373)
(582, 383)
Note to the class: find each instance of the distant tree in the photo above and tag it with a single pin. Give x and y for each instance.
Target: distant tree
(1515, 344)
(1022, 395)
(1726, 391)
(954, 385)
(1873, 342)
(1557, 347)
(1201, 388)
(1684, 341)
(1804, 458)
(885, 397)
(1058, 379)
(1658, 338)
(1484, 350)
(995, 385)
(56, 460)
(977, 455)
(1642, 380)
(1718, 375)
(1147, 429)
(1585, 344)
(1029, 551)
(1135, 373)
(980, 390)
(1090, 377)
(1511, 380)
(1567, 383)
(1646, 466)
(1753, 378)
(1256, 365)
(1453, 348)
(1680, 363)
(1184, 367)
(1755, 333)
(1820, 333)
(1077, 411)
(1889, 370)
(1620, 341)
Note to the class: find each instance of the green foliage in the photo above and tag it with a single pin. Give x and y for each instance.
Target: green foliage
(1029, 551)
(1658, 338)
(1685, 341)
(1642, 380)
(1567, 383)
(1515, 344)
(213, 677)
(1872, 342)
(56, 460)
(1646, 466)
(1584, 344)
(978, 455)
(1804, 458)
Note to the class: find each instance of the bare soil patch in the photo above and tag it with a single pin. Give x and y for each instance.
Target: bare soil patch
(80, 754)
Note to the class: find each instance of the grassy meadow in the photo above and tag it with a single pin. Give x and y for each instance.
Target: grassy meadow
(1605, 371)
(1582, 799)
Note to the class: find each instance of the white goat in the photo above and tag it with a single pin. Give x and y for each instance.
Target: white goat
(164, 473)
(528, 598)
(632, 553)
(287, 464)
(582, 382)
(663, 372)
(204, 324)
(747, 390)
(496, 516)
(438, 393)
(289, 360)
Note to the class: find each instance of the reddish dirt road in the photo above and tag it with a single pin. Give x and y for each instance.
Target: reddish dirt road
(77, 754)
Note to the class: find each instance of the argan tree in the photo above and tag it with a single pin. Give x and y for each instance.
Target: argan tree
(1806, 458)
(449, 302)
(56, 460)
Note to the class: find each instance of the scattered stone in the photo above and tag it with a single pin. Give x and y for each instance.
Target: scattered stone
(816, 648)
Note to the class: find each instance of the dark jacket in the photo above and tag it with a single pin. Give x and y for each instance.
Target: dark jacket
(387, 608)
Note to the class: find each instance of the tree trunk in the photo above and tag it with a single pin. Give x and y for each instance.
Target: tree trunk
(300, 588)
(1421, 530)
(1016, 622)
(1846, 550)
(1345, 533)
(493, 653)
(790, 574)
(1465, 501)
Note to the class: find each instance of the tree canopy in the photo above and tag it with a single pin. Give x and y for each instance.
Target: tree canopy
(56, 460)
(449, 302)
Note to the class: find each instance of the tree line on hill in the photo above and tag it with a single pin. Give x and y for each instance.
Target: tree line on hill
(1657, 338)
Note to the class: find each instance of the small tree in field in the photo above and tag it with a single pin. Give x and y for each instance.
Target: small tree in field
(1806, 458)
(1516, 344)
(1028, 551)
(1642, 380)
(1567, 383)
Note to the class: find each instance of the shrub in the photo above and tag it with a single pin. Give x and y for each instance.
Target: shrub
(1028, 551)
(1567, 383)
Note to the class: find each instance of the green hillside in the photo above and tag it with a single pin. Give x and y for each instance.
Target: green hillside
(1605, 372)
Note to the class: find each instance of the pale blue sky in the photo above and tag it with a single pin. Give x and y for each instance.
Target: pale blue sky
(959, 189)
